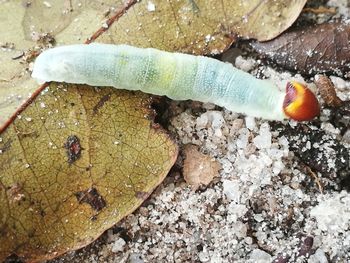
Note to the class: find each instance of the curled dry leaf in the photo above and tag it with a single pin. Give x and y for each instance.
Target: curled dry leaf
(327, 91)
(74, 163)
(202, 27)
(199, 169)
(311, 50)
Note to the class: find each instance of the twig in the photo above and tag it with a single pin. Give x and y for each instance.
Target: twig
(110, 21)
(321, 10)
(317, 180)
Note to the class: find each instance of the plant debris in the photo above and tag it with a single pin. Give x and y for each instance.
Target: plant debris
(199, 169)
(327, 91)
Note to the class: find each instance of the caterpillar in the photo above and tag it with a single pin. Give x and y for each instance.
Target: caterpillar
(177, 76)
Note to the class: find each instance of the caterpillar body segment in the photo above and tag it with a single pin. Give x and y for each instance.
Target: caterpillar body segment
(175, 75)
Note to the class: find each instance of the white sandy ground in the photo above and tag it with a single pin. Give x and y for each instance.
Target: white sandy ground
(258, 207)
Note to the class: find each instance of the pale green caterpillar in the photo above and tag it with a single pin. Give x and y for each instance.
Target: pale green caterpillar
(178, 76)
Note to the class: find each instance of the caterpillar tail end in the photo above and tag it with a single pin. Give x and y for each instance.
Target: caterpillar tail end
(300, 103)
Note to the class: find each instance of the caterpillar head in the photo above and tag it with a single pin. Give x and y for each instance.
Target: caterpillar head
(300, 103)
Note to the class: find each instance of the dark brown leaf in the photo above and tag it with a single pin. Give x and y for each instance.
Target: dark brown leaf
(316, 49)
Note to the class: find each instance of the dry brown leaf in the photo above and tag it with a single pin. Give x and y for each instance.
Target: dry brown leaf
(76, 161)
(199, 169)
(201, 27)
(311, 50)
(327, 91)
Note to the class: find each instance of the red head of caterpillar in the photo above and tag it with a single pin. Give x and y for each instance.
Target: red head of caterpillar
(300, 103)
